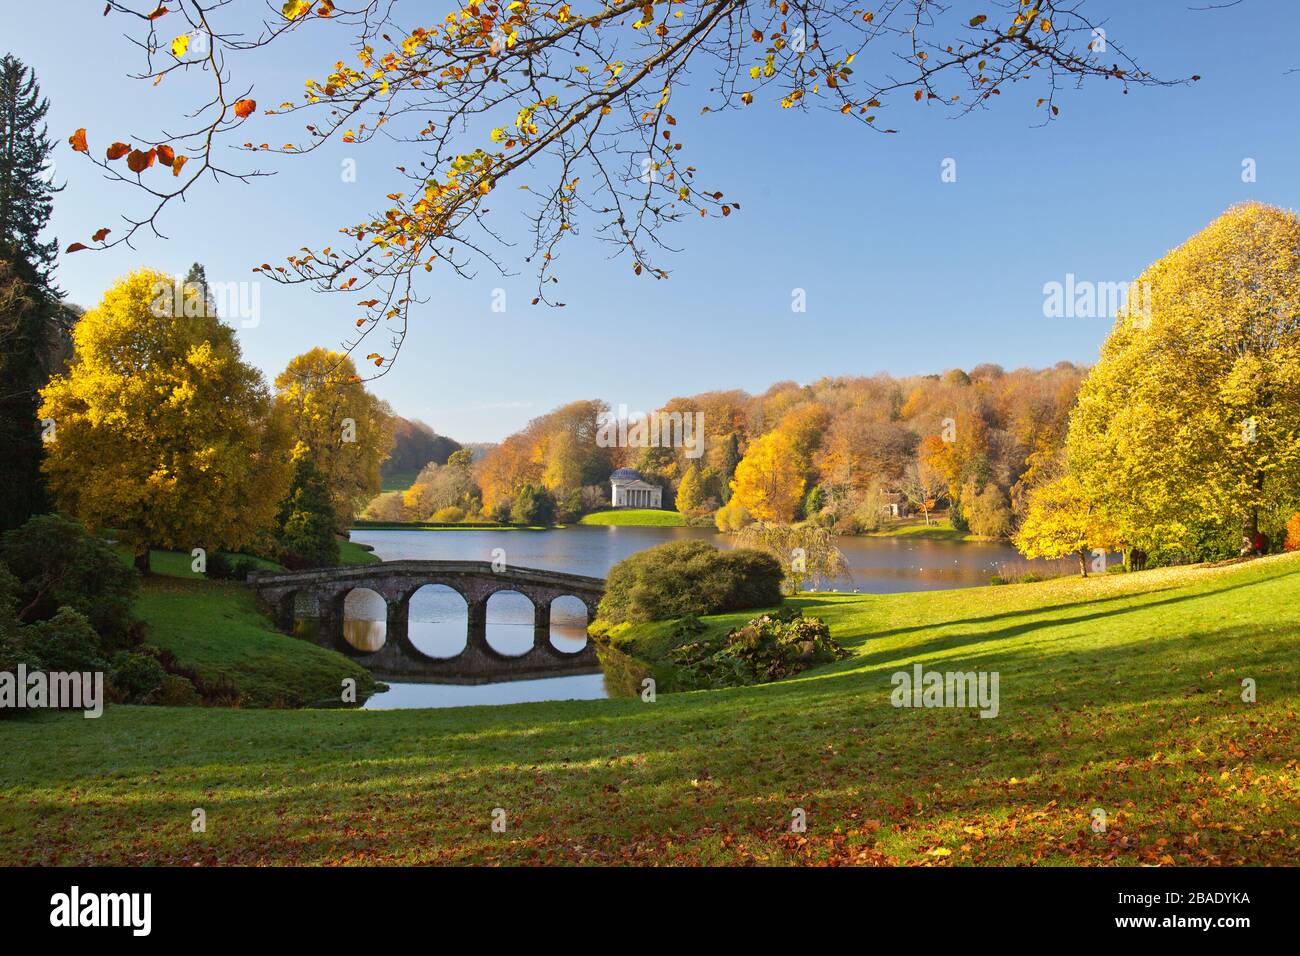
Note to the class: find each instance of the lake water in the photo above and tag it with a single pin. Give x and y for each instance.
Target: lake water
(875, 565)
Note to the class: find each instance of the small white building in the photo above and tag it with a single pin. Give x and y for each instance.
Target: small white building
(627, 489)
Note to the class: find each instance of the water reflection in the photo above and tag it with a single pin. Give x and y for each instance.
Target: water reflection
(438, 621)
(365, 620)
(578, 687)
(568, 624)
(510, 624)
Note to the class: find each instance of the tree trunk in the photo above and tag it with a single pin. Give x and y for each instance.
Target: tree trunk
(1249, 528)
(142, 560)
(1083, 563)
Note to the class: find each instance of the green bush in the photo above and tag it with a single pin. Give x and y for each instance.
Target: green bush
(770, 647)
(59, 564)
(176, 691)
(65, 643)
(684, 578)
(135, 677)
(223, 567)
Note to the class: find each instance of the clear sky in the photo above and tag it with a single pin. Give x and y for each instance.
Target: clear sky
(903, 272)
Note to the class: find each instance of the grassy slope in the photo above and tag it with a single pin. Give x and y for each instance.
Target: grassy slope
(1120, 692)
(215, 629)
(350, 552)
(363, 525)
(937, 530)
(398, 481)
(648, 517)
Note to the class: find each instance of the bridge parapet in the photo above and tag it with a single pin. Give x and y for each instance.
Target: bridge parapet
(324, 591)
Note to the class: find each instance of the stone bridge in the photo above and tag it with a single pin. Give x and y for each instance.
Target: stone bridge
(295, 598)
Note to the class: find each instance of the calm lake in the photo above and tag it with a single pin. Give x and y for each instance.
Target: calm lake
(876, 566)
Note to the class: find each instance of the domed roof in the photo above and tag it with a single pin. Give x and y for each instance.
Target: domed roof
(629, 474)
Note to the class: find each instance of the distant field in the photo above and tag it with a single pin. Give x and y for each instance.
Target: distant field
(363, 525)
(936, 530)
(399, 481)
(646, 517)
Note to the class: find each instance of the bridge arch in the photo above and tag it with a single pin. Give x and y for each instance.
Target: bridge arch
(391, 604)
(567, 626)
(437, 621)
(365, 619)
(510, 618)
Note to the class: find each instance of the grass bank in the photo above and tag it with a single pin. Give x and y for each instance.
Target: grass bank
(644, 517)
(361, 525)
(936, 530)
(1120, 691)
(215, 629)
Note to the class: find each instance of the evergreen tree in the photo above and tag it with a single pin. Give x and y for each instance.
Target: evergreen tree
(730, 459)
(26, 186)
(198, 276)
(305, 527)
(29, 302)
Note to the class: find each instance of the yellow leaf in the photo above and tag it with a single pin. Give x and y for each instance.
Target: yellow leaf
(180, 45)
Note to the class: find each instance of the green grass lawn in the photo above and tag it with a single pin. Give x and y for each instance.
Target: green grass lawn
(363, 525)
(350, 552)
(1120, 692)
(936, 530)
(648, 517)
(398, 481)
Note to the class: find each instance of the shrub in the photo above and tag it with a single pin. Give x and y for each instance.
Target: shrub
(1293, 533)
(224, 567)
(135, 677)
(770, 647)
(689, 578)
(66, 642)
(449, 515)
(731, 517)
(176, 691)
(59, 564)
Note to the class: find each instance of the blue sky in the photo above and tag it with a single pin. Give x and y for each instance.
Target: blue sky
(903, 272)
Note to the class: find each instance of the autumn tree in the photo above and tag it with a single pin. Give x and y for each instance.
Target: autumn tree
(806, 553)
(690, 493)
(1191, 418)
(444, 486)
(769, 480)
(161, 430)
(338, 424)
(1062, 521)
(579, 104)
(922, 485)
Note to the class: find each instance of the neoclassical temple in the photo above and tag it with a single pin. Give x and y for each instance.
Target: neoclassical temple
(627, 489)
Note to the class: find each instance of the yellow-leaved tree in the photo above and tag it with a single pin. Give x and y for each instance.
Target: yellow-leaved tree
(160, 430)
(341, 427)
(769, 480)
(1190, 422)
(1061, 521)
